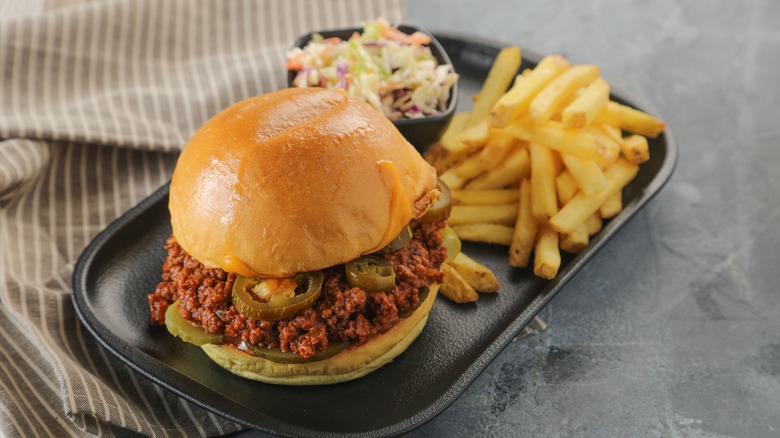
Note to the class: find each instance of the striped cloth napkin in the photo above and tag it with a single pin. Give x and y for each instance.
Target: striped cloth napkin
(96, 100)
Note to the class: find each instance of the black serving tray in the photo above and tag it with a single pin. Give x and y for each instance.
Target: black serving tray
(123, 264)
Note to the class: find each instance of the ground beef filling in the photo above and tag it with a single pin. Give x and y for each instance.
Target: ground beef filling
(342, 313)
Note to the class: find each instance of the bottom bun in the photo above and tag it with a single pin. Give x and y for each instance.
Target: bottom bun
(352, 363)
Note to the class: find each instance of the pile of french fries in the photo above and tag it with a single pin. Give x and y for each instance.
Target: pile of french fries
(538, 167)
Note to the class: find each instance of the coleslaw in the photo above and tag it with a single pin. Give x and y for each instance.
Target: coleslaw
(393, 71)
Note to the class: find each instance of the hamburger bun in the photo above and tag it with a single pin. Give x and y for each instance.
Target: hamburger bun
(296, 180)
(351, 363)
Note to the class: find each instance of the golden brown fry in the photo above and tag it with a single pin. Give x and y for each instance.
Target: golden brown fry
(476, 275)
(612, 206)
(498, 80)
(593, 224)
(580, 207)
(477, 135)
(630, 119)
(635, 149)
(516, 167)
(442, 159)
(450, 140)
(485, 197)
(483, 214)
(458, 175)
(576, 241)
(514, 103)
(486, 233)
(565, 187)
(587, 105)
(611, 146)
(544, 200)
(525, 229)
(468, 168)
(498, 146)
(455, 287)
(587, 175)
(561, 88)
(547, 256)
(568, 141)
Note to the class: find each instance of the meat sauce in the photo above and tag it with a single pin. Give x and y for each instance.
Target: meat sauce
(342, 313)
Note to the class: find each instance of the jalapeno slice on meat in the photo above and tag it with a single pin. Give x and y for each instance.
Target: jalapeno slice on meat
(187, 331)
(440, 209)
(278, 298)
(277, 355)
(399, 242)
(370, 273)
(450, 241)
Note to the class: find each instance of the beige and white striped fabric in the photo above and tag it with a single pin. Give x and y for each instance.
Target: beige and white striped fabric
(96, 99)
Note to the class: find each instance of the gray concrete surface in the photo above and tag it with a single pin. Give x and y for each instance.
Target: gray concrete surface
(674, 328)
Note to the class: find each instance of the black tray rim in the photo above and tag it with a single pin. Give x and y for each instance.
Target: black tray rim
(130, 355)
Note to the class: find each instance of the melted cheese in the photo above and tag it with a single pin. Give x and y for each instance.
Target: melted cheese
(400, 207)
(237, 266)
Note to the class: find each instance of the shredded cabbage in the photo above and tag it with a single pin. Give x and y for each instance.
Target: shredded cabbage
(393, 71)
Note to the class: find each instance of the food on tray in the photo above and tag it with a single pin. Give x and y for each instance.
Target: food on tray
(394, 72)
(554, 140)
(308, 239)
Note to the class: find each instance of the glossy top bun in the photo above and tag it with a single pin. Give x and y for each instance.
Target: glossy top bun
(295, 180)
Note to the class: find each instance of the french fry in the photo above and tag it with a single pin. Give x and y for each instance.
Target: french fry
(476, 135)
(497, 147)
(458, 175)
(455, 287)
(576, 241)
(630, 119)
(486, 233)
(565, 187)
(516, 167)
(485, 197)
(544, 200)
(525, 231)
(587, 105)
(567, 141)
(468, 168)
(514, 103)
(479, 214)
(612, 206)
(580, 207)
(612, 132)
(442, 159)
(544, 105)
(476, 275)
(593, 224)
(604, 139)
(500, 76)
(450, 140)
(635, 149)
(547, 256)
(586, 174)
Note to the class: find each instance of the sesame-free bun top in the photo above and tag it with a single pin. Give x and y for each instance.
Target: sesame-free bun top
(296, 180)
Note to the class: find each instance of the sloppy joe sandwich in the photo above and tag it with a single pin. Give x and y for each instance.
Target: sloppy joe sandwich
(306, 239)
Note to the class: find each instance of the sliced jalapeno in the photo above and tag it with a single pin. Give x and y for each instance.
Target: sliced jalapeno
(277, 355)
(187, 331)
(440, 209)
(370, 273)
(399, 242)
(450, 241)
(278, 298)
